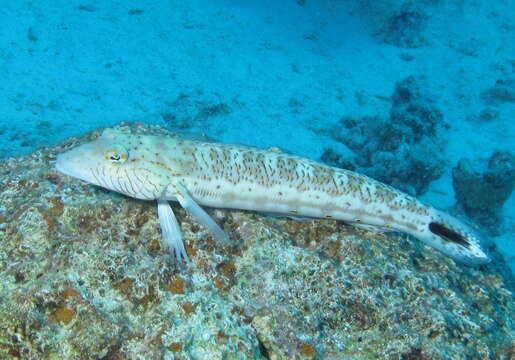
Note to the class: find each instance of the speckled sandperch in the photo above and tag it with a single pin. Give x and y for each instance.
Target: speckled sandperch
(218, 175)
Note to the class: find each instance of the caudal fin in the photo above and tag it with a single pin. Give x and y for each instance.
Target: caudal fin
(455, 239)
(448, 234)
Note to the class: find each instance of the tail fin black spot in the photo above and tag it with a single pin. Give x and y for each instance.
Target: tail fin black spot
(448, 234)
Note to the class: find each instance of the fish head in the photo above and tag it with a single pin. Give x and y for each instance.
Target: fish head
(118, 161)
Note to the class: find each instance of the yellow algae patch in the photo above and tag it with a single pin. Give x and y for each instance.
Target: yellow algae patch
(63, 314)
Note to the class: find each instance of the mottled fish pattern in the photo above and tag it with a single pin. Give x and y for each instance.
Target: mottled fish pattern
(228, 176)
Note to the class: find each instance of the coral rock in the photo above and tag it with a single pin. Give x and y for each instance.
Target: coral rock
(90, 283)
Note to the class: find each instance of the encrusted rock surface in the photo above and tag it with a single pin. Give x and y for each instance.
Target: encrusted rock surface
(83, 275)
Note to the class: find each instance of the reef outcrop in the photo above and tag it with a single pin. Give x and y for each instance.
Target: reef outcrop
(404, 150)
(482, 186)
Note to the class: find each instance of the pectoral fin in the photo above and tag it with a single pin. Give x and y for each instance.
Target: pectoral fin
(171, 230)
(189, 204)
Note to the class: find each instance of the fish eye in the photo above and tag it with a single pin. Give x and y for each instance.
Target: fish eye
(117, 154)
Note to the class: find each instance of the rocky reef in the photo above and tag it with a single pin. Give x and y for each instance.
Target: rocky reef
(502, 91)
(401, 23)
(406, 27)
(482, 187)
(84, 275)
(403, 150)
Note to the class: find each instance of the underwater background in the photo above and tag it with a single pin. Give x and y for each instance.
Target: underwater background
(417, 94)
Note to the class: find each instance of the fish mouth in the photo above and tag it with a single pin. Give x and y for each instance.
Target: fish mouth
(67, 167)
(60, 165)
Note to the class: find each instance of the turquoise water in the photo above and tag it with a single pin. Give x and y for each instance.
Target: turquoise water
(400, 92)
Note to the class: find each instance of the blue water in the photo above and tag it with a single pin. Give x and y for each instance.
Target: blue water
(271, 73)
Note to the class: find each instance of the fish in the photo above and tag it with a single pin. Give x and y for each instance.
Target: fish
(198, 174)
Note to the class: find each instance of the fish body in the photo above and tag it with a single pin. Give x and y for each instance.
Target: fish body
(166, 168)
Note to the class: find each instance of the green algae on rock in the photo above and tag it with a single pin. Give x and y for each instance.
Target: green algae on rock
(83, 275)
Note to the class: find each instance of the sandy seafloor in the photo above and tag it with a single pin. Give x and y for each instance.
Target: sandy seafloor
(285, 72)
